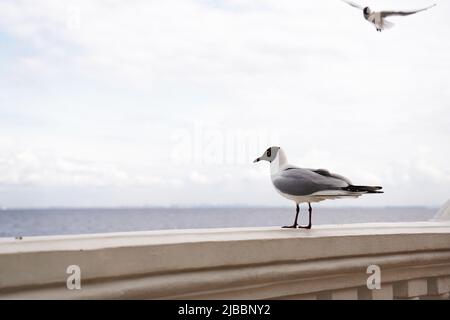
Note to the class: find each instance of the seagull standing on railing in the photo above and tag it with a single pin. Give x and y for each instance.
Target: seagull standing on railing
(378, 17)
(309, 185)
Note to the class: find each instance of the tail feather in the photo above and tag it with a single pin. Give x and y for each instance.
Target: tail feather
(366, 189)
(387, 24)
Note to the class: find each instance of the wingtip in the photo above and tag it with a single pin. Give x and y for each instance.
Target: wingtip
(375, 191)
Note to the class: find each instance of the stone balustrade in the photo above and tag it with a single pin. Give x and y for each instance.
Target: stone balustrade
(326, 262)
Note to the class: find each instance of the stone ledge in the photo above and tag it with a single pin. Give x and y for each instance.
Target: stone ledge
(246, 263)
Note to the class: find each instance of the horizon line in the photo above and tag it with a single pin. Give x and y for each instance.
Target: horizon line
(236, 206)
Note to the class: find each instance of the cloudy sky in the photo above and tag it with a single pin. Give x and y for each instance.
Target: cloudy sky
(132, 103)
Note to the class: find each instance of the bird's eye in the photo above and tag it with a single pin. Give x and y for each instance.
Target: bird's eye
(269, 152)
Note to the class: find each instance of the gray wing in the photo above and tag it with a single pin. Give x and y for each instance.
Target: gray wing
(325, 172)
(303, 182)
(402, 13)
(354, 4)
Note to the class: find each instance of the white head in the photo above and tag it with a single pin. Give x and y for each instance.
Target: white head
(269, 155)
(276, 157)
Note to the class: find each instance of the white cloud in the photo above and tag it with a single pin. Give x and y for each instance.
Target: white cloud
(113, 92)
(41, 169)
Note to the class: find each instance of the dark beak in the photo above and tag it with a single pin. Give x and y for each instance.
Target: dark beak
(256, 160)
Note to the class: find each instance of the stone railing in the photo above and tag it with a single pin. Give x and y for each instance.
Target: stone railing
(326, 262)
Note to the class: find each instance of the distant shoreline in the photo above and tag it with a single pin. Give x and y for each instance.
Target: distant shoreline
(212, 207)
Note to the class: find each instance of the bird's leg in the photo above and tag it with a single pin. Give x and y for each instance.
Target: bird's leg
(310, 214)
(296, 218)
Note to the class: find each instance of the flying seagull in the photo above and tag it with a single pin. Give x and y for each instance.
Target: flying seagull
(308, 185)
(378, 17)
